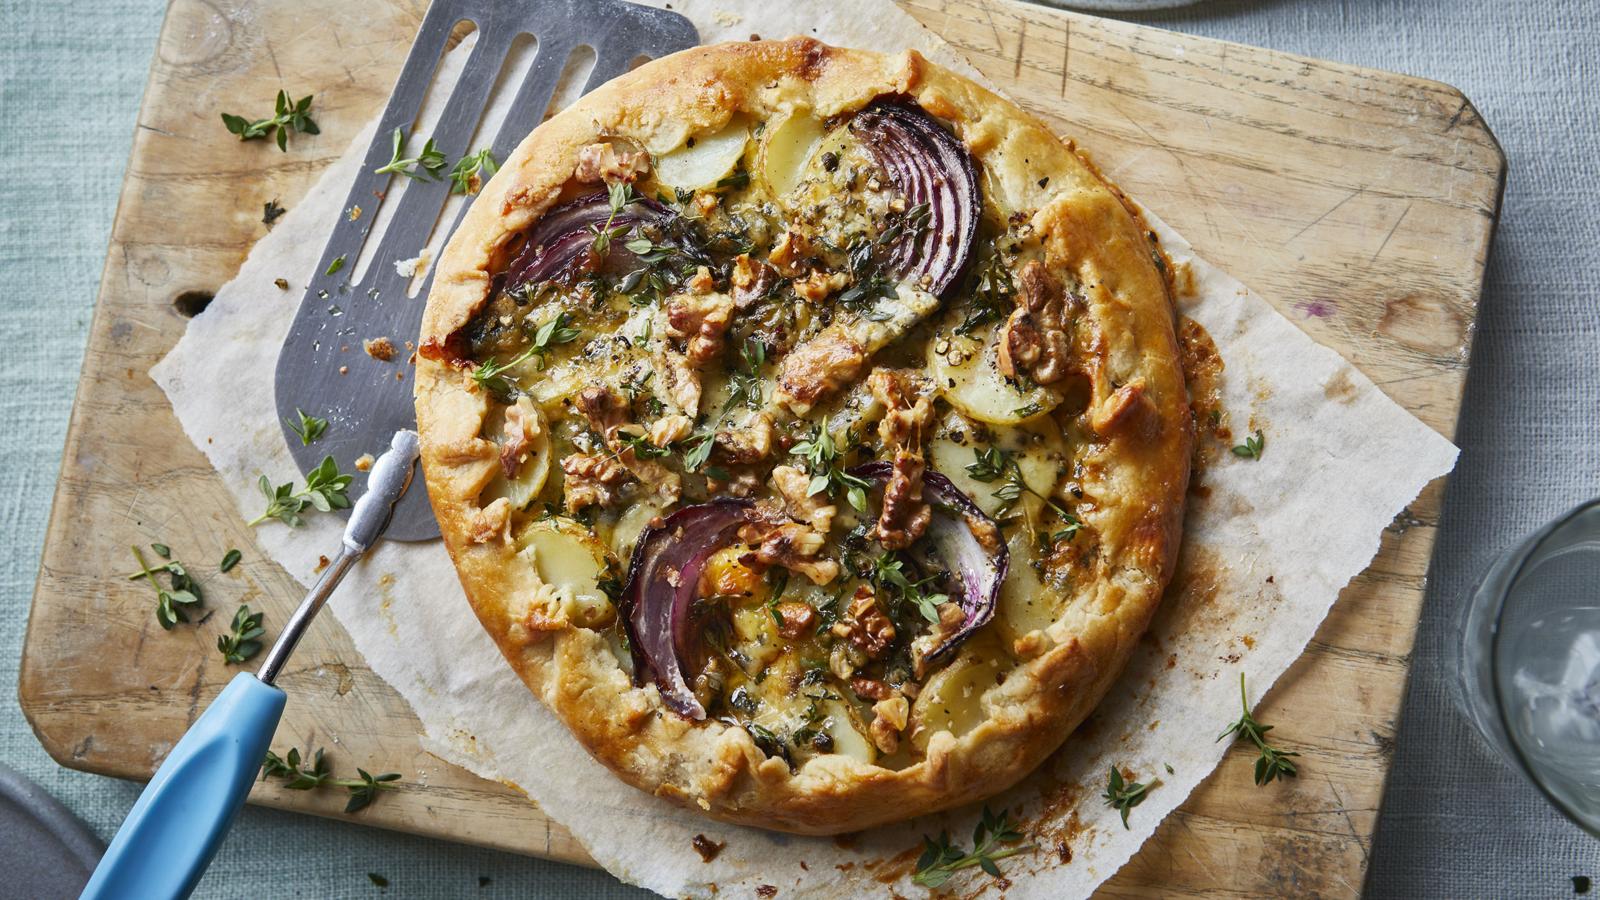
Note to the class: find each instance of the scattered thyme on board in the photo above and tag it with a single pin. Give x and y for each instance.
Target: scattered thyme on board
(286, 117)
(171, 602)
(298, 777)
(1272, 763)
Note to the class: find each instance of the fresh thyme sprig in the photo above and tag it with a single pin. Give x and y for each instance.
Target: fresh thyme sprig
(170, 602)
(1123, 795)
(1252, 446)
(297, 777)
(992, 294)
(1272, 763)
(491, 374)
(888, 573)
(286, 117)
(994, 464)
(243, 640)
(424, 166)
(822, 464)
(618, 193)
(744, 383)
(325, 490)
(470, 171)
(308, 428)
(940, 859)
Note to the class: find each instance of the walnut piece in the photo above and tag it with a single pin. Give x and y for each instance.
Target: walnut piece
(889, 719)
(750, 443)
(702, 319)
(592, 480)
(788, 544)
(794, 486)
(905, 515)
(865, 625)
(819, 285)
(751, 280)
(379, 349)
(1034, 342)
(951, 617)
(790, 254)
(601, 162)
(908, 407)
(670, 428)
(798, 619)
(521, 429)
(819, 367)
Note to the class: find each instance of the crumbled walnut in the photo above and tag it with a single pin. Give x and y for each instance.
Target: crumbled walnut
(951, 618)
(608, 414)
(521, 428)
(677, 378)
(871, 688)
(706, 203)
(790, 545)
(908, 409)
(744, 484)
(819, 285)
(798, 619)
(751, 280)
(492, 521)
(844, 660)
(701, 281)
(605, 411)
(748, 444)
(379, 349)
(865, 625)
(890, 717)
(601, 162)
(592, 480)
(790, 254)
(364, 462)
(670, 428)
(905, 515)
(795, 488)
(1034, 341)
(702, 318)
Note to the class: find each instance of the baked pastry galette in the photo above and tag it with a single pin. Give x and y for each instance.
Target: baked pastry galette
(807, 428)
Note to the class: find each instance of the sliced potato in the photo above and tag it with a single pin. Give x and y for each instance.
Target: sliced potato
(1026, 604)
(848, 739)
(708, 161)
(952, 699)
(565, 555)
(1037, 449)
(787, 149)
(533, 472)
(968, 374)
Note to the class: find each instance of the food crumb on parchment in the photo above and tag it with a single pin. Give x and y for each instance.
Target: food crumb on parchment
(379, 348)
(706, 847)
(364, 462)
(726, 18)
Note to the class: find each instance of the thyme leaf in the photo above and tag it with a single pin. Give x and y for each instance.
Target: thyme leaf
(286, 117)
(425, 166)
(470, 171)
(941, 859)
(325, 491)
(243, 639)
(1272, 763)
(1252, 446)
(1123, 795)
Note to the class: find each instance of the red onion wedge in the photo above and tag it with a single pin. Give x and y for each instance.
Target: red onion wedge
(558, 245)
(663, 578)
(929, 165)
(954, 535)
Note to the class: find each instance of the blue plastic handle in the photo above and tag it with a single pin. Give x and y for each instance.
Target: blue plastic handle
(165, 844)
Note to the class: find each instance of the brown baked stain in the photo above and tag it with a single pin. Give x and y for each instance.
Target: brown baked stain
(346, 681)
(1340, 389)
(1424, 322)
(1202, 370)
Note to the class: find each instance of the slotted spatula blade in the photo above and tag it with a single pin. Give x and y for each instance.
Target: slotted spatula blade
(367, 403)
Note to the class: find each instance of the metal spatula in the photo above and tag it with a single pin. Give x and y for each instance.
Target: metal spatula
(366, 403)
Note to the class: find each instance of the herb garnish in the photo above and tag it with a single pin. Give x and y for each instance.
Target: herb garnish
(744, 383)
(1272, 763)
(336, 265)
(230, 559)
(617, 194)
(242, 643)
(1124, 795)
(888, 573)
(270, 211)
(309, 428)
(1252, 446)
(325, 490)
(992, 295)
(469, 172)
(299, 778)
(491, 374)
(169, 602)
(377, 880)
(996, 463)
(822, 464)
(286, 117)
(699, 447)
(424, 166)
(940, 859)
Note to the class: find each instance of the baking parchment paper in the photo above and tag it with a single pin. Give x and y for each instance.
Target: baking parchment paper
(1266, 551)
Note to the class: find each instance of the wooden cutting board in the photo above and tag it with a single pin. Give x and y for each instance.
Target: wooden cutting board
(1361, 203)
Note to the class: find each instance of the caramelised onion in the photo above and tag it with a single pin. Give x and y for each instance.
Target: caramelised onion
(953, 532)
(663, 578)
(558, 244)
(928, 165)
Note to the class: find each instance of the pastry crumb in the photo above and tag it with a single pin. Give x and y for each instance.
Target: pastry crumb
(379, 348)
(282, 283)
(355, 213)
(344, 370)
(364, 462)
(416, 265)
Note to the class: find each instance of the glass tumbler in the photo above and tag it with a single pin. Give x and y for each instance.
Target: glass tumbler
(1529, 661)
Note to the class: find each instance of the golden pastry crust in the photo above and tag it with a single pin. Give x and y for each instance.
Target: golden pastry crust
(1130, 483)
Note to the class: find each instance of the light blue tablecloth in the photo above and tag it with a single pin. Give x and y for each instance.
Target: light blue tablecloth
(1457, 823)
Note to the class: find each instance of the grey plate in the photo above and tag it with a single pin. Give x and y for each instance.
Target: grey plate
(45, 850)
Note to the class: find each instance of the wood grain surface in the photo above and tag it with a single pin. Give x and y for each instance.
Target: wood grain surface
(1361, 203)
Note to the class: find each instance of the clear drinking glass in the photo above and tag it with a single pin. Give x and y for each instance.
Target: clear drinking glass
(1529, 644)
